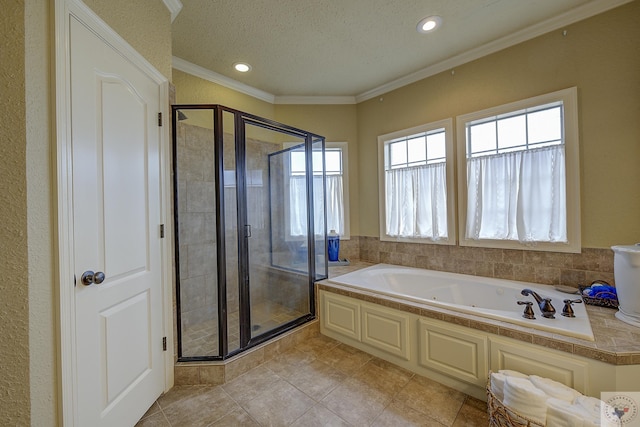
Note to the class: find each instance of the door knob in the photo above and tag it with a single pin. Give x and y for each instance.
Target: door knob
(89, 277)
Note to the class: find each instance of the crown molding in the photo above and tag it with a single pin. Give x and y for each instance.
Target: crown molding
(174, 6)
(315, 100)
(203, 73)
(206, 74)
(579, 13)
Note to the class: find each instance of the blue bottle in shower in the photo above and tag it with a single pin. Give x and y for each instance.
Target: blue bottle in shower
(333, 245)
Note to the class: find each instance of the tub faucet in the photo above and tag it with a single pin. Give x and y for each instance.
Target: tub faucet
(544, 303)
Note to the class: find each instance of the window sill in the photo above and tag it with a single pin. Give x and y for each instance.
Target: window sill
(387, 238)
(574, 247)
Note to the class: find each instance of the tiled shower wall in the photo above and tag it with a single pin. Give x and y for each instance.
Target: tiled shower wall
(551, 268)
(196, 215)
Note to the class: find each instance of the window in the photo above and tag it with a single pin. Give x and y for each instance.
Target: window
(518, 175)
(416, 182)
(337, 183)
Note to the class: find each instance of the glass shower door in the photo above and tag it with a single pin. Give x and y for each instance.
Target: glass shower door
(278, 267)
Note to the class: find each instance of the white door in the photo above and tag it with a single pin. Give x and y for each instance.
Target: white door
(116, 221)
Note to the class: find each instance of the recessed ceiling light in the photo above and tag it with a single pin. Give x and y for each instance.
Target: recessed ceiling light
(429, 24)
(242, 67)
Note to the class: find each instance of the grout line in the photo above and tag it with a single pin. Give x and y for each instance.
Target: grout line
(239, 406)
(165, 417)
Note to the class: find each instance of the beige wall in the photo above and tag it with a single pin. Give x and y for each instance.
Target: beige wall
(27, 201)
(600, 56)
(42, 337)
(337, 123)
(14, 300)
(144, 24)
(194, 90)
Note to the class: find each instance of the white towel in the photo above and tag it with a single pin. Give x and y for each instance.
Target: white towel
(554, 388)
(561, 413)
(497, 385)
(595, 410)
(526, 399)
(510, 373)
(590, 404)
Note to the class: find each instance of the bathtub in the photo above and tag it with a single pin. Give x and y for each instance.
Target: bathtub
(480, 296)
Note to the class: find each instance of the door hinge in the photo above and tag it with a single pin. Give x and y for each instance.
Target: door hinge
(164, 343)
(159, 119)
(162, 231)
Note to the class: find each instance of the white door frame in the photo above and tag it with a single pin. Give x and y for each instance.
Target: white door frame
(67, 383)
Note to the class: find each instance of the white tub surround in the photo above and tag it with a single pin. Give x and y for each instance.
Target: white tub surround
(457, 348)
(481, 296)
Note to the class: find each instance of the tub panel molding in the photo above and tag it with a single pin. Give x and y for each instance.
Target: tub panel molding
(341, 315)
(386, 329)
(455, 351)
(547, 363)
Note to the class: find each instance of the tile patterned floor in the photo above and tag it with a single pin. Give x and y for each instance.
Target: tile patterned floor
(320, 382)
(201, 339)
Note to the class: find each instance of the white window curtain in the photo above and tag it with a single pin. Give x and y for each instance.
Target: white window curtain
(416, 202)
(518, 196)
(298, 204)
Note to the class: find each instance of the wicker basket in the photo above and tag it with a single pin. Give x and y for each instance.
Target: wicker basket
(597, 298)
(501, 416)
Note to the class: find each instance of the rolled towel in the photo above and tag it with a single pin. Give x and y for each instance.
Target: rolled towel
(591, 405)
(561, 413)
(595, 410)
(511, 373)
(523, 397)
(497, 385)
(554, 388)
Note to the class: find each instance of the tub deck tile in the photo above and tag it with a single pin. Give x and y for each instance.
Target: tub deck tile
(553, 343)
(518, 335)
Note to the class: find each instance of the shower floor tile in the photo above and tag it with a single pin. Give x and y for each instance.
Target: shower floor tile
(201, 339)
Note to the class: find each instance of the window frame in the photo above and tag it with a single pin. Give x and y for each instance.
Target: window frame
(383, 140)
(343, 147)
(569, 99)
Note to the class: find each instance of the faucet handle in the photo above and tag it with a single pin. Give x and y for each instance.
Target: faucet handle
(547, 308)
(528, 311)
(567, 311)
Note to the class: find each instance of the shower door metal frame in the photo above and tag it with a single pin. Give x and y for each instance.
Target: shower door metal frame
(241, 119)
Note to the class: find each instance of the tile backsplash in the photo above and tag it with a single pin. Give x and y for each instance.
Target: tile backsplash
(551, 268)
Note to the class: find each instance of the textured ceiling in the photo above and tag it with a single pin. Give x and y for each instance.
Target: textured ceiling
(343, 47)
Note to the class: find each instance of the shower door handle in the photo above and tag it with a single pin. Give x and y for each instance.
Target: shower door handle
(247, 230)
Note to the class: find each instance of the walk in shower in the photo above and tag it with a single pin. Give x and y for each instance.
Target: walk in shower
(250, 228)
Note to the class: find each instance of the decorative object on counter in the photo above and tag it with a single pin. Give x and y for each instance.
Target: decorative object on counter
(567, 289)
(626, 270)
(333, 245)
(599, 293)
